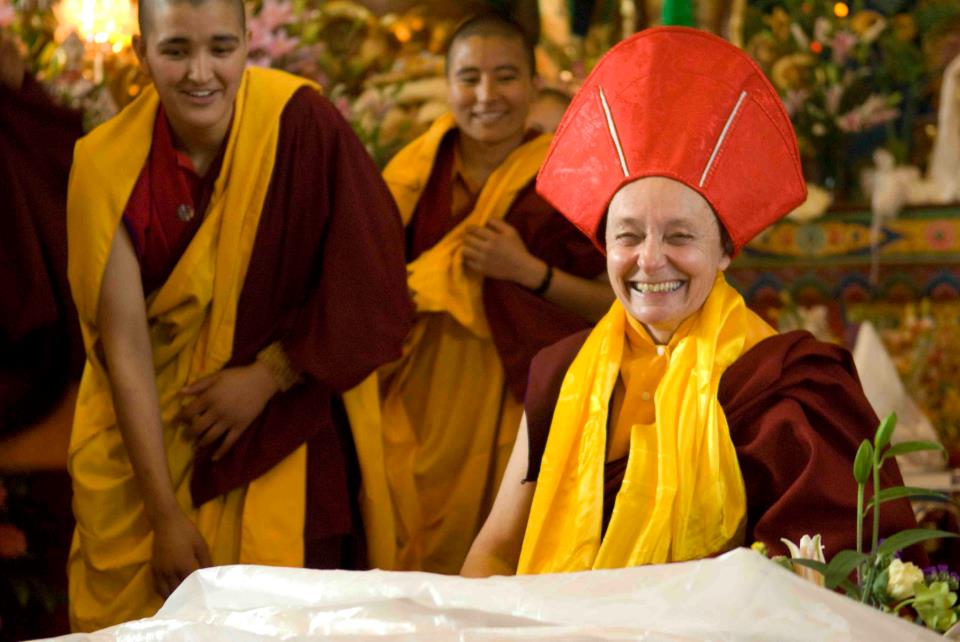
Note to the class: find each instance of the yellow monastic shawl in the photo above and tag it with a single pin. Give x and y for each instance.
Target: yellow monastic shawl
(191, 323)
(449, 420)
(698, 504)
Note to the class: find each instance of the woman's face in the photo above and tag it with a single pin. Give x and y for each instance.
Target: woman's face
(489, 87)
(195, 55)
(663, 252)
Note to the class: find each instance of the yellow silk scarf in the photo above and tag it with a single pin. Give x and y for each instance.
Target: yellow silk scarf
(437, 278)
(448, 418)
(191, 324)
(698, 503)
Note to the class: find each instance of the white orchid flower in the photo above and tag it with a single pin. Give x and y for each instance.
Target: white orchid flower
(809, 548)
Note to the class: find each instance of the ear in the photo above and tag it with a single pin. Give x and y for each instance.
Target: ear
(724, 262)
(140, 49)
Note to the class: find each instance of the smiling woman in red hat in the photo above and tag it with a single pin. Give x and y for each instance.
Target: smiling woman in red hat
(682, 425)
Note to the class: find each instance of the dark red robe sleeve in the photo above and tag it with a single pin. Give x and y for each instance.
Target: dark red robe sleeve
(40, 344)
(523, 323)
(327, 279)
(797, 415)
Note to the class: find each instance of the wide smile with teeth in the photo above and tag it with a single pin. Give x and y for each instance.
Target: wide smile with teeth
(656, 288)
(206, 93)
(489, 117)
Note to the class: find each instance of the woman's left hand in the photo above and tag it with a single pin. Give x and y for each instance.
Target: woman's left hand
(226, 403)
(497, 251)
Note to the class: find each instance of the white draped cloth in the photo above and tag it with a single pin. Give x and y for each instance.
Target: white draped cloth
(738, 596)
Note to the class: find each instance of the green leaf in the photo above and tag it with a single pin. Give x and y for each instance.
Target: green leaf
(863, 463)
(814, 564)
(911, 447)
(841, 566)
(884, 432)
(909, 537)
(897, 492)
(852, 590)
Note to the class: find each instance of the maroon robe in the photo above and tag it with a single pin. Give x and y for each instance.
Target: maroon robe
(326, 278)
(40, 345)
(521, 322)
(797, 415)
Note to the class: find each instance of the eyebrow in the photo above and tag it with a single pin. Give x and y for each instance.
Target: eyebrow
(476, 70)
(183, 40)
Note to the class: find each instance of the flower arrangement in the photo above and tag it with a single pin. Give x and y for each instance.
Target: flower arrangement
(880, 578)
(851, 78)
(922, 342)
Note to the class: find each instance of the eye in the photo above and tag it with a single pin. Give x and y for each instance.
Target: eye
(469, 79)
(175, 53)
(223, 51)
(680, 237)
(508, 77)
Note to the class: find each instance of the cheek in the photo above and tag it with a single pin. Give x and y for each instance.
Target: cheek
(620, 261)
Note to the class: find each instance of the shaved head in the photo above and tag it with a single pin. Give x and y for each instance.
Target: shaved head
(493, 24)
(146, 9)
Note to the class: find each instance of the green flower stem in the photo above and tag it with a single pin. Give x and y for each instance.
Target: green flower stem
(859, 530)
(867, 586)
(877, 460)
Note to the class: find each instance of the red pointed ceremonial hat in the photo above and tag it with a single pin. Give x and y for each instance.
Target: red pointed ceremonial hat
(682, 104)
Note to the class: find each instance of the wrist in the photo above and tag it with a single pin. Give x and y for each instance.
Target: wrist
(274, 361)
(544, 285)
(533, 275)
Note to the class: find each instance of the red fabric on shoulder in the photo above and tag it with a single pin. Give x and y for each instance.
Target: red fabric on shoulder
(167, 183)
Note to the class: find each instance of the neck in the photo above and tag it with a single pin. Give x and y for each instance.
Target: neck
(201, 145)
(480, 158)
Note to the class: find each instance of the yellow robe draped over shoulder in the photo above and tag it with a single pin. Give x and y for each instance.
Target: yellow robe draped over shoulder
(682, 495)
(191, 321)
(449, 419)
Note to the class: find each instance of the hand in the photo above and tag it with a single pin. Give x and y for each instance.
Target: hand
(226, 403)
(12, 67)
(498, 252)
(178, 550)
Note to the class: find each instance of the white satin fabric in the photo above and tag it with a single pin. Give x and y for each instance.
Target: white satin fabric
(738, 596)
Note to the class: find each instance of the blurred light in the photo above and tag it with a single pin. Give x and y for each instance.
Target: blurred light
(841, 10)
(816, 47)
(97, 21)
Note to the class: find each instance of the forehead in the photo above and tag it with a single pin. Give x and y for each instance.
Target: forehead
(194, 17)
(487, 51)
(657, 200)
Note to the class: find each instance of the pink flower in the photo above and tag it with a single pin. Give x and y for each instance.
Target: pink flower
(13, 543)
(872, 112)
(794, 100)
(6, 14)
(280, 44)
(275, 13)
(843, 43)
(832, 98)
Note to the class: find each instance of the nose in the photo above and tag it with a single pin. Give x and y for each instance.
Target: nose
(650, 255)
(200, 69)
(486, 89)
